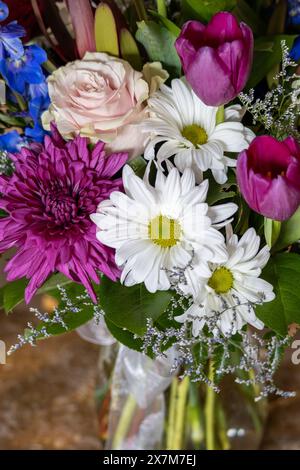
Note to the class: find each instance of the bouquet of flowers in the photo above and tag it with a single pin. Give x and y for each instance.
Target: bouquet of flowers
(150, 183)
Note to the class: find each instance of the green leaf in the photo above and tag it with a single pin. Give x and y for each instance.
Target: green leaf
(106, 32)
(218, 192)
(153, 36)
(13, 292)
(138, 165)
(129, 50)
(124, 336)
(12, 120)
(283, 272)
(1, 298)
(172, 27)
(3, 214)
(72, 320)
(244, 12)
(266, 60)
(220, 361)
(203, 10)
(290, 232)
(130, 307)
(272, 230)
(52, 282)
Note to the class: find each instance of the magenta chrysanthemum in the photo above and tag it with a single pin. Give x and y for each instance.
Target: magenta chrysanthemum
(49, 199)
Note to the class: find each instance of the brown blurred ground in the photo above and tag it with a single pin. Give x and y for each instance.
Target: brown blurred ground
(47, 395)
(47, 392)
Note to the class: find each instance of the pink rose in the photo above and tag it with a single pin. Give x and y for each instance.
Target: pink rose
(101, 97)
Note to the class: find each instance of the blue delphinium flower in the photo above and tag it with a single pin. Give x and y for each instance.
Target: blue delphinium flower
(10, 34)
(39, 100)
(18, 72)
(4, 11)
(294, 12)
(10, 42)
(11, 141)
(20, 66)
(36, 133)
(295, 51)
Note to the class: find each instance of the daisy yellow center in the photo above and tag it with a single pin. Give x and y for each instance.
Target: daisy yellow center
(163, 231)
(195, 134)
(221, 280)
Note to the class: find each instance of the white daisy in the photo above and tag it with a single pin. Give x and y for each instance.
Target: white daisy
(188, 130)
(156, 229)
(227, 291)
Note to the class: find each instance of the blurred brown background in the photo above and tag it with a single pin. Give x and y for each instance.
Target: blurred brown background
(47, 395)
(47, 392)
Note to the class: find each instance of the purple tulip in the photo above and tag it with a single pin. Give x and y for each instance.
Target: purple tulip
(268, 175)
(216, 58)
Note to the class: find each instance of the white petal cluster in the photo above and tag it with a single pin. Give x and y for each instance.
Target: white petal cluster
(156, 230)
(228, 291)
(187, 129)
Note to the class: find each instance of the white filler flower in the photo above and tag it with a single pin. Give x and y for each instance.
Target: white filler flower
(188, 129)
(155, 230)
(225, 293)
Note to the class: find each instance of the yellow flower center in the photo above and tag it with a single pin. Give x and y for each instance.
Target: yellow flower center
(163, 231)
(195, 134)
(221, 280)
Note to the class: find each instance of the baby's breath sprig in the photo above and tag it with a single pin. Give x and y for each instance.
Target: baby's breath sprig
(278, 111)
(58, 318)
(258, 356)
(6, 164)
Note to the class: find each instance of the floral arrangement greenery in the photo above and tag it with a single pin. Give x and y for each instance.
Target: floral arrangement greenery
(150, 180)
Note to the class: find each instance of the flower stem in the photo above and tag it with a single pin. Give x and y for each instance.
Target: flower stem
(49, 66)
(210, 410)
(20, 100)
(124, 422)
(182, 391)
(161, 8)
(220, 117)
(222, 427)
(195, 416)
(140, 9)
(172, 411)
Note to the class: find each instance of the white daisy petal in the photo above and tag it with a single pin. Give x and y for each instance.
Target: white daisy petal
(232, 136)
(156, 230)
(234, 113)
(227, 290)
(187, 129)
(187, 181)
(172, 189)
(184, 100)
(220, 213)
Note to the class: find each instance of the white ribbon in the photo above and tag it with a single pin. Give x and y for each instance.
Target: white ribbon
(96, 333)
(137, 408)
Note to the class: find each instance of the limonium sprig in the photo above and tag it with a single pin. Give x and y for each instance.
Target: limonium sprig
(277, 111)
(6, 164)
(192, 354)
(68, 305)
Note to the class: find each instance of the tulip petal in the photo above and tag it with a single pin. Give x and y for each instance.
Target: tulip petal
(293, 146)
(293, 173)
(268, 154)
(223, 27)
(209, 78)
(188, 42)
(247, 57)
(281, 201)
(83, 23)
(216, 58)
